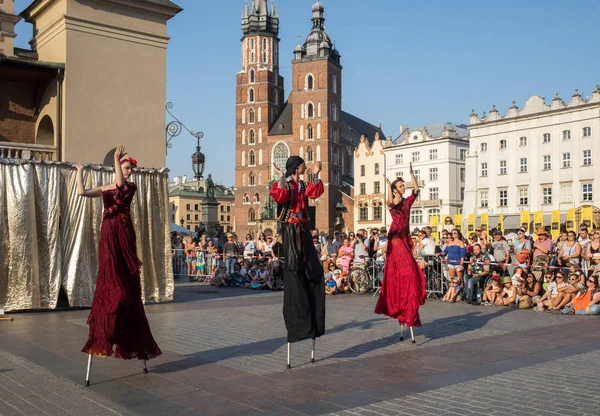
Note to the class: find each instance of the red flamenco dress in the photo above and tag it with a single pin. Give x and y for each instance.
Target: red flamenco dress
(403, 285)
(117, 316)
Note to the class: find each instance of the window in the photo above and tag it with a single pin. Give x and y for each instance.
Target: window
(252, 53)
(335, 135)
(503, 198)
(417, 174)
(376, 213)
(188, 217)
(260, 181)
(433, 174)
(310, 82)
(251, 215)
(377, 188)
(196, 207)
(252, 76)
(188, 207)
(566, 160)
(399, 160)
(310, 110)
(222, 218)
(566, 192)
(503, 167)
(257, 198)
(433, 153)
(416, 156)
(309, 154)
(463, 154)
(547, 162)
(251, 95)
(433, 213)
(376, 168)
(334, 84)
(523, 164)
(264, 50)
(547, 138)
(483, 199)
(483, 147)
(587, 131)
(362, 170)
(523, 196)
(502, 144)
(310, 134)
(416, 216)
(522, 141)
(280, 155)
(566, 135)
(547, 193)
(251, 179)
(363, 214)
(363, 188)
(587, 192)
(334, 112)
(244, 178)
(246, 199)
(251, 158)
(462, 174)
(433, 194)
(251, 116)
(484, 169)
(462, 194)
(587, 158)
(251, 137)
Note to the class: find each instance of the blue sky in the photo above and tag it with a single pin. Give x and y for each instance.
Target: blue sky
(405, 62)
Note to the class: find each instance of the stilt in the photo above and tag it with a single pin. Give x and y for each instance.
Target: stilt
(289, 365)
(145, 368)
(89, 369)
(412, 335)
(401, 332)
(312, 354)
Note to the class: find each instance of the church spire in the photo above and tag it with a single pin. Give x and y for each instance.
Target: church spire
(256, 18)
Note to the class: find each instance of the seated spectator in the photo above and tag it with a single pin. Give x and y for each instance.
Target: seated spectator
(570, 251)
(255, 280)
(550, 294)
(518, 277)
(330, 284)
(491, 290)
(587, 301)
(508, 295)
(478, 270)
(595, 265)
(237, 278)
(567, 290)
(221, 279)
(454, 293)
(529, 292)
(593, 247)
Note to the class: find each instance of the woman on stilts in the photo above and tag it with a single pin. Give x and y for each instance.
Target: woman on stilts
(117, 317)
(403, 285)
(303, 280)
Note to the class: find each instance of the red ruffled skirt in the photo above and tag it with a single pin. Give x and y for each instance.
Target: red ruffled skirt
(403, 287)
(117, 317)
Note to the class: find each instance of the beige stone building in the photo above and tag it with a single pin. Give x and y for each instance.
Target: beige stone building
(185, 204)
(80, 90)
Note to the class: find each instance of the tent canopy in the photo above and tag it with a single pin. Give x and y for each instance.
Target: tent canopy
(180, 230)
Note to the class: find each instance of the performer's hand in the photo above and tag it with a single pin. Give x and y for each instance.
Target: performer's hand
(79, 166)
(279, 172)
(317, 168)
(120, 152)
(411, 169)
(387, 180)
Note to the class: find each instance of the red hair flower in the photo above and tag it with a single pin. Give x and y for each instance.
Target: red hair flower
(130, 160)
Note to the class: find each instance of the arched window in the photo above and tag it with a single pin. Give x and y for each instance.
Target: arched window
(309, 154)
(252, 50)
(251, 115)
(260, 159)
(301, 152)
(243, 158)
(264, 50)
(251, 158)
(243, 116)
(310, 110)
(280, 155)
(276, 97)
(309, 132)
(251, 95)
(318, 153)
(251, 179)
(260, 181)
(334, 112)
(257, 197)
(252, 80)
(251, 137)
(334, 84)
(244, 179)
(310, 81)
(318, 130)
(260, 135)
(251, 215)
(246, 200)
(335, 135)
(243, 136)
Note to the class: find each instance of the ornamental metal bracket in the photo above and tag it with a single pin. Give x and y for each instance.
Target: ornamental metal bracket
(175, 127)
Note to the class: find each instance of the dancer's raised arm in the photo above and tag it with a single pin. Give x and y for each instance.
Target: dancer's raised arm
(414, 180)
(390, 194)
(119, 153)
(89, 193)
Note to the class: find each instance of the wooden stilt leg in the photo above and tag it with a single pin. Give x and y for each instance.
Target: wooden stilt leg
(145, 368)
(312, 354)
(89, 370)
(289, 354)
(412, 335)
(401, 332)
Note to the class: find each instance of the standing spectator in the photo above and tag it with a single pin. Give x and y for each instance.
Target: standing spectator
(178, 255)
(337, 240)
(500, 251)
(448, 225)
(593, 247)
(381, 244)
(570, 251)
(360, 249)
(427, 243)
(371, 242)
(478, 270)
(455, 252)
(522, 248)
(262, 240)
(584, 237)
(542, 247)
(321, 237)
(231, 253)
(560, 240)
(346, 253)
(249, 247)
(316, 243)
(268, 246)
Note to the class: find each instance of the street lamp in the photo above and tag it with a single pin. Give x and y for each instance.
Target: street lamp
(175, 127)
(198, 161)
(181, 222)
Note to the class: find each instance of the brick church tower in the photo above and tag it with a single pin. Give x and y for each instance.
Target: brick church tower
(310, 123)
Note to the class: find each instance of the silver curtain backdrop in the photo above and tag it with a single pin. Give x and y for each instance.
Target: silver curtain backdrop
(49, 235)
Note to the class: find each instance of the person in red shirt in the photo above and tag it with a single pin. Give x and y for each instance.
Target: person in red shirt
(303, 279)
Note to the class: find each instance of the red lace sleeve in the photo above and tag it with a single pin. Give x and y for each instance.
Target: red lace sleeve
(411, 199)
(313, 191)
(280, 195)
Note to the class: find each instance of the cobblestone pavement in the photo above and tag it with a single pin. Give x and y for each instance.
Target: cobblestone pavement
(225, 349)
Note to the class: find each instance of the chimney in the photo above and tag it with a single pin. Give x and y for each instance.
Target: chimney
(402, 128)
(7, 27)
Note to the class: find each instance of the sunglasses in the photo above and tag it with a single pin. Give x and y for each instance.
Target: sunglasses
(479, 230)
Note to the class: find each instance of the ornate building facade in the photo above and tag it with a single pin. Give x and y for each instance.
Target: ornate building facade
(310, 123)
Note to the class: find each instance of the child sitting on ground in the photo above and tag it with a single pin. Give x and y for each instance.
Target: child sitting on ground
(454, 293)
(491, 290)
(518, 279)
(508, 295)
(551, 289)
(330, 284)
